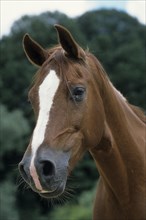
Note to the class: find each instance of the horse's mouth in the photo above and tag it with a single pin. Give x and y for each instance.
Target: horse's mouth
(54, 194)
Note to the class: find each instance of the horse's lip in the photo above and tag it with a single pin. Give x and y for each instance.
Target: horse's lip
(52, 194)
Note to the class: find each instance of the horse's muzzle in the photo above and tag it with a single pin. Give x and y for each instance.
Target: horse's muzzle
(47, 173)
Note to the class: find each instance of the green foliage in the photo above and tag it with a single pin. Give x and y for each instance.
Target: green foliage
(85, 170)
(80, 211)
(118, 41)
(14, 131)
(8, 209)
(13, 128)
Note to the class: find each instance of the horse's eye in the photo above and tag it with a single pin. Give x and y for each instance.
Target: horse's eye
(78, 94)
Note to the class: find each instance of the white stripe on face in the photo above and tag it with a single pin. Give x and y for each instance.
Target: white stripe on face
(47, 91)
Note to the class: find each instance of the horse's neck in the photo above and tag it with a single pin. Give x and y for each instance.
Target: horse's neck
(120, 154)
(127, 129)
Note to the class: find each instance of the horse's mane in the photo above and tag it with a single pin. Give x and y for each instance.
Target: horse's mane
(104, 76)
(138, 112)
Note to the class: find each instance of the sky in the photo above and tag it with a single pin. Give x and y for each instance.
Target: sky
(12, 10)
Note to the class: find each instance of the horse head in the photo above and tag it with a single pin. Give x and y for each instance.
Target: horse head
(69, 113)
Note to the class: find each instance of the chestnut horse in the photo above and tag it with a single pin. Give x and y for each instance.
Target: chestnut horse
(78, 109)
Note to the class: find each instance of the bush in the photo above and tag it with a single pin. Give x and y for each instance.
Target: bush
(82, 210)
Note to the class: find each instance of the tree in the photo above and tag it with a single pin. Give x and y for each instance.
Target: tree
(118, 41)
(82, 210)
(8, 209)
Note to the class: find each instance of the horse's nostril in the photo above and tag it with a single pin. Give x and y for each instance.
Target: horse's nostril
(48, 168)
(22, 171)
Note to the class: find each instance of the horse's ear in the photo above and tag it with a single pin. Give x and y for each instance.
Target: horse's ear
(34, 52)
(67, 42)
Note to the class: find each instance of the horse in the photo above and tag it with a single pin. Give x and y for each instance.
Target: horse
(78, 109)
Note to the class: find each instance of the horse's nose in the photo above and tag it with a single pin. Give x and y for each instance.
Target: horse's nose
(24, 170)
(41, 173)
(45, 169)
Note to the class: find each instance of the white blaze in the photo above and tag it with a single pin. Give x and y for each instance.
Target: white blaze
(47, 91)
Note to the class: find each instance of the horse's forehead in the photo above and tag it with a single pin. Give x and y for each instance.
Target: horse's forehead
(46, 93)
(44, 86)
(48, 87)
(67, 73)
